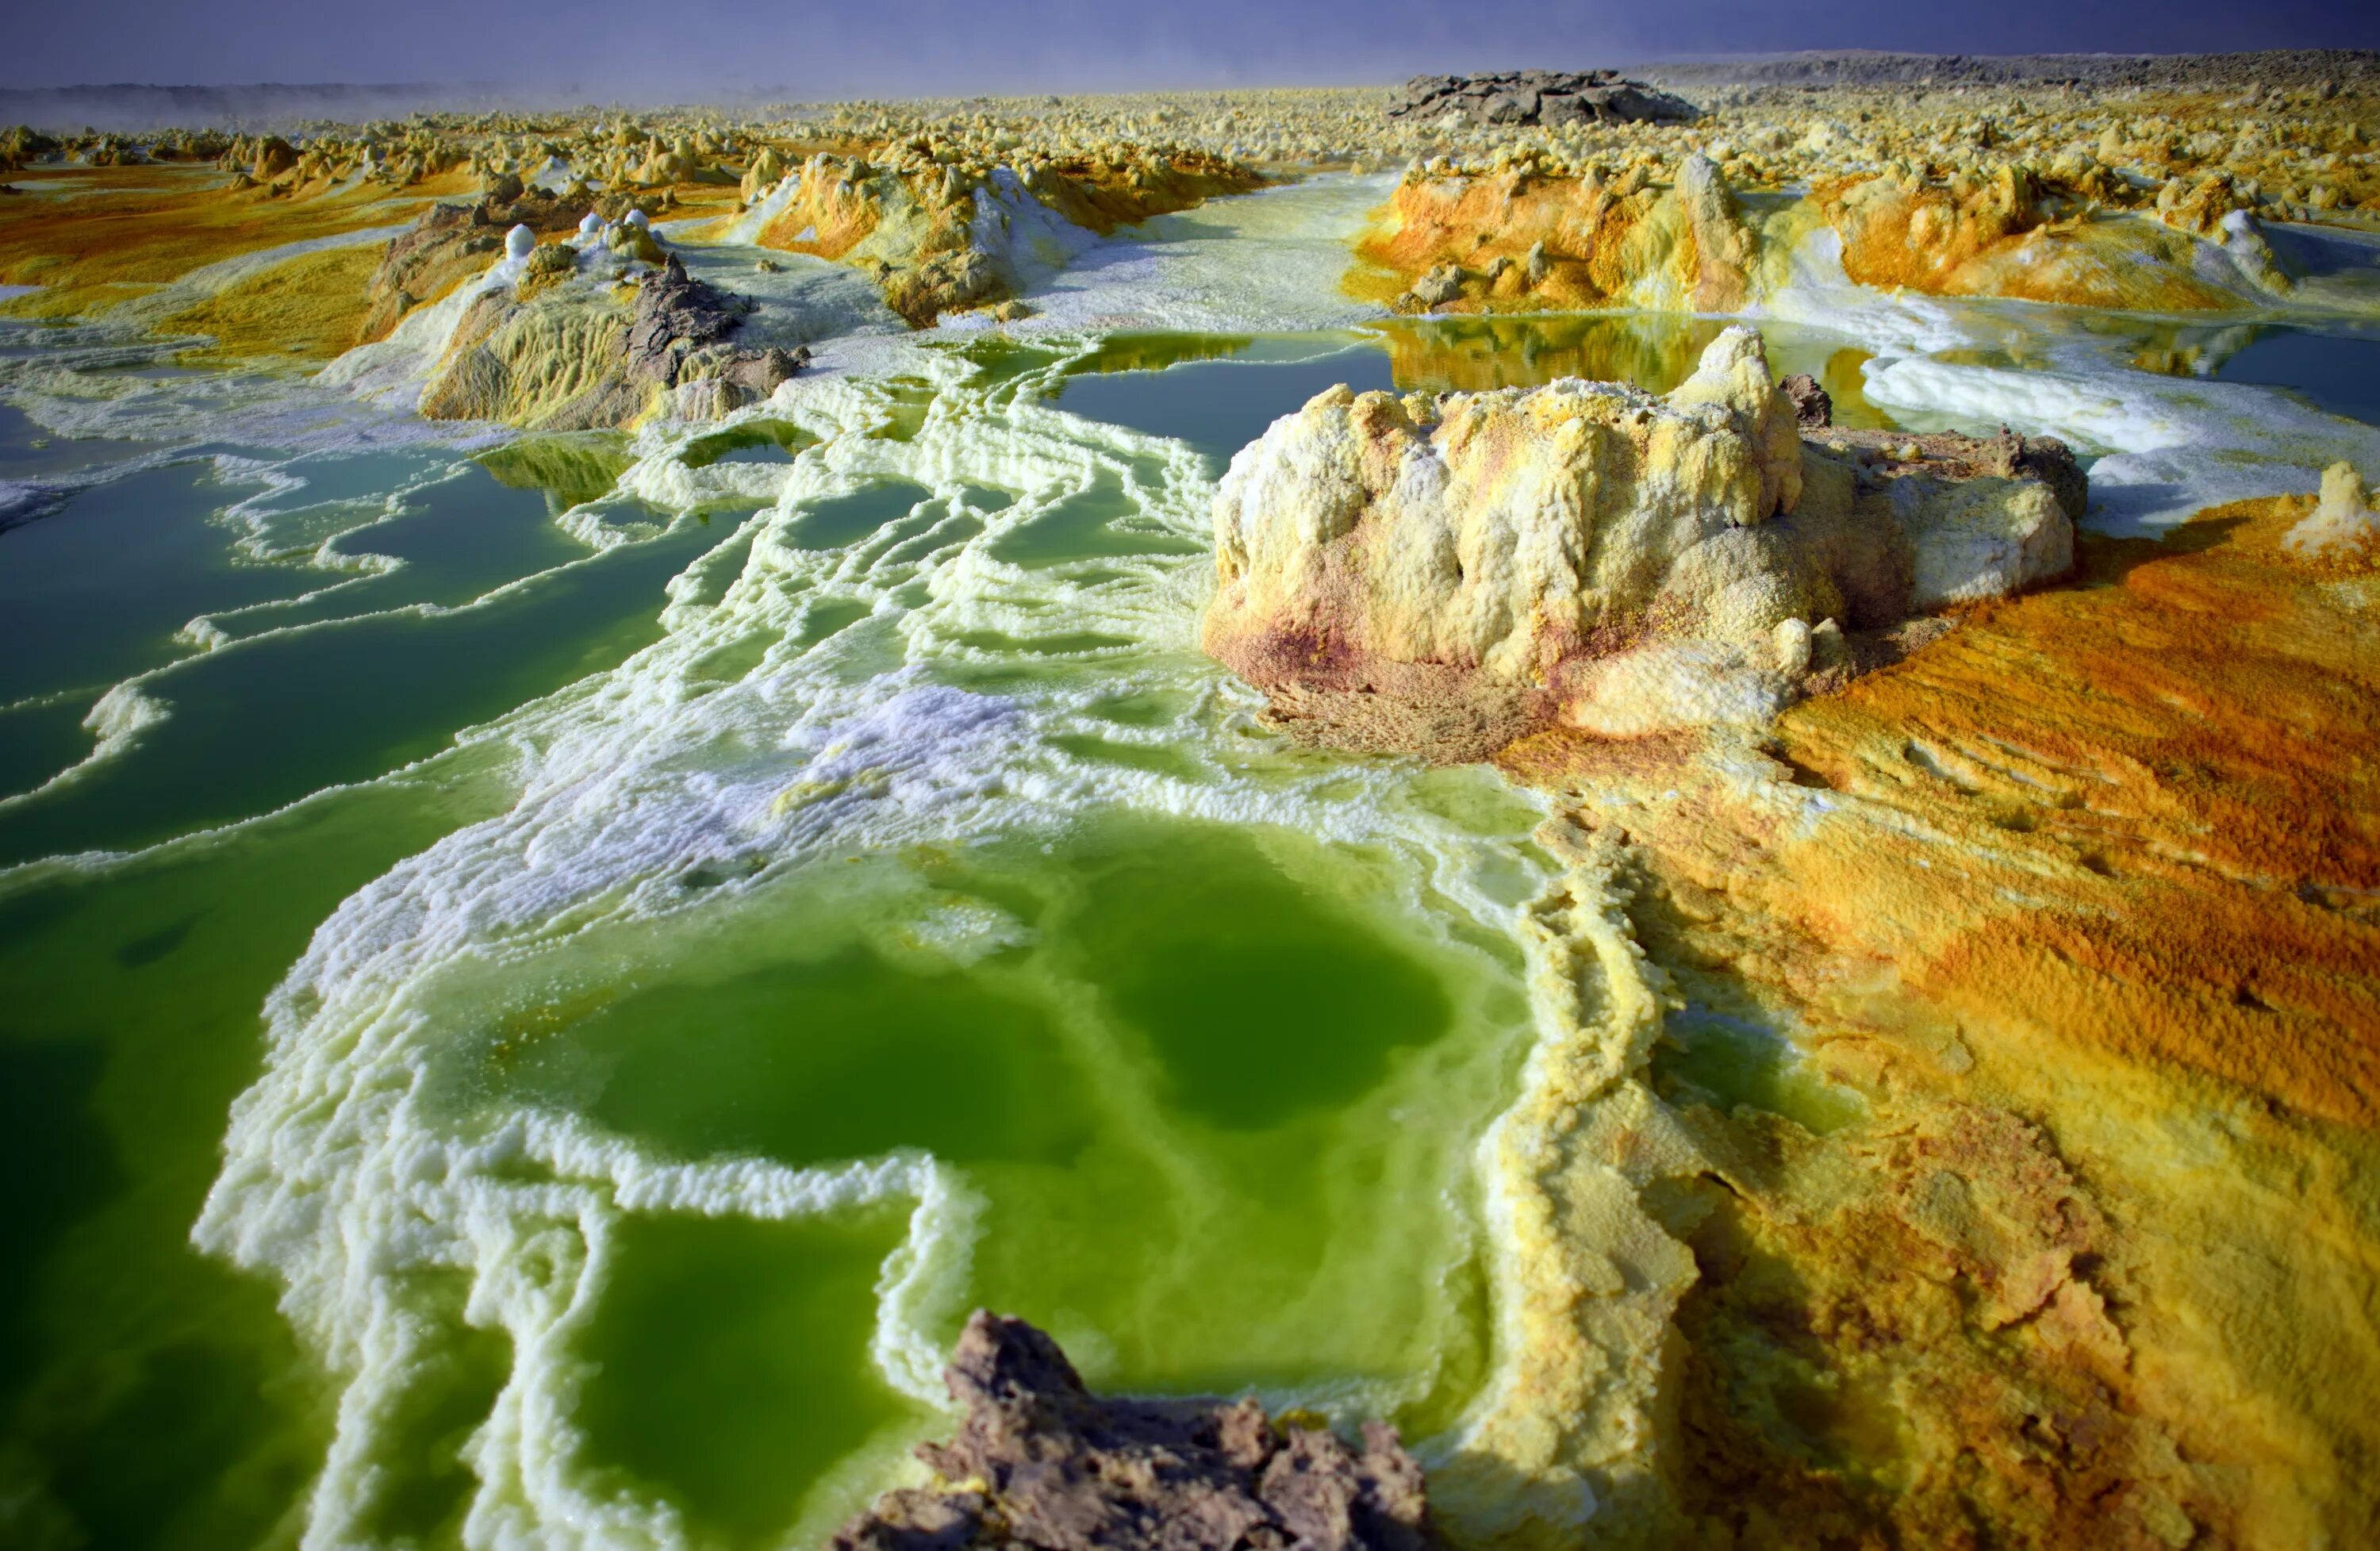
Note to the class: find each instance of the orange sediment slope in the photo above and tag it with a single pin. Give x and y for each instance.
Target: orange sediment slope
(114, 233)
(2081, 901)
(2161, 791)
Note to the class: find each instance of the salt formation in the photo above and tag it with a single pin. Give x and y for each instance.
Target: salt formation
(946, 223)
(1038, 1462)
(2342, 522)
(1628, 562)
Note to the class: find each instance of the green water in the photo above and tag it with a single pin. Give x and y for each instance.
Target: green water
(764, 1328)
(1218, 393)
(153, 1395)
(685, 1081)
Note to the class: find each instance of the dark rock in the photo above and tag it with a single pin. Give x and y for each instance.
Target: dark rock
(1558, 110)
(1949, 454)
(758, 374)
(2294, 69)
(676, 314)
(1549, 97)
(2044, 458)
(1512, 107)
(1814, 407)
(678, 335)
(1047, 1465)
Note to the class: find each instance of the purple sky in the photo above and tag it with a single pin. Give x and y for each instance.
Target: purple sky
(657, 48)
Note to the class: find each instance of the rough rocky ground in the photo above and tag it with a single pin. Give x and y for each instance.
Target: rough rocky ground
(2278, 69)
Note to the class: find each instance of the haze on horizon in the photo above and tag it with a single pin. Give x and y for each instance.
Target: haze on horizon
(626, 50)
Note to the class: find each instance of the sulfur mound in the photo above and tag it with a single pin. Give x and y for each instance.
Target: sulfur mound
(2342, 524)
(1511, 239)
(448, 244)
(945, 230)
(1040, 1462)
(1429, 574)
(577, 357)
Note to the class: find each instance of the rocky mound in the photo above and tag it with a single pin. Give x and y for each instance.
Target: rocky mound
(579, 356)
(1040, 1463)
(679, 336)
(945, 223)
(1429, 573)
(1552, 98)
(449, 243)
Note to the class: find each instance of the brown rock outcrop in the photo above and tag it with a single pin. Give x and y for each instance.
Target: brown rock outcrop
(1038, 1462)
(1814, 407)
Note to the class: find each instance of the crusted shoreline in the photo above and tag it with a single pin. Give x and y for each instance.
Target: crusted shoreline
(1917, 1050)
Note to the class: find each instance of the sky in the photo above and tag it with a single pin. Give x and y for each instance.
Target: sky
(803, 49)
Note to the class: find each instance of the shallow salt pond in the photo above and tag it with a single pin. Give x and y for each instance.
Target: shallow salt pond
(1220, 392)
(712, 933)
(1190, 1059)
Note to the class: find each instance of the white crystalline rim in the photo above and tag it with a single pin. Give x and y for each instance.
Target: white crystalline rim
(337, 1181)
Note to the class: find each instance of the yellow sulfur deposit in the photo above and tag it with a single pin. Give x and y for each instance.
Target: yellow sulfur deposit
(1626, 562)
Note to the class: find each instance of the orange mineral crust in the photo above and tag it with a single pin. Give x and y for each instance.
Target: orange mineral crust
(1999, 237)
(2179, 769)
(2140, 813)
(2077, 910)
(1517, 240)
(111, 234)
